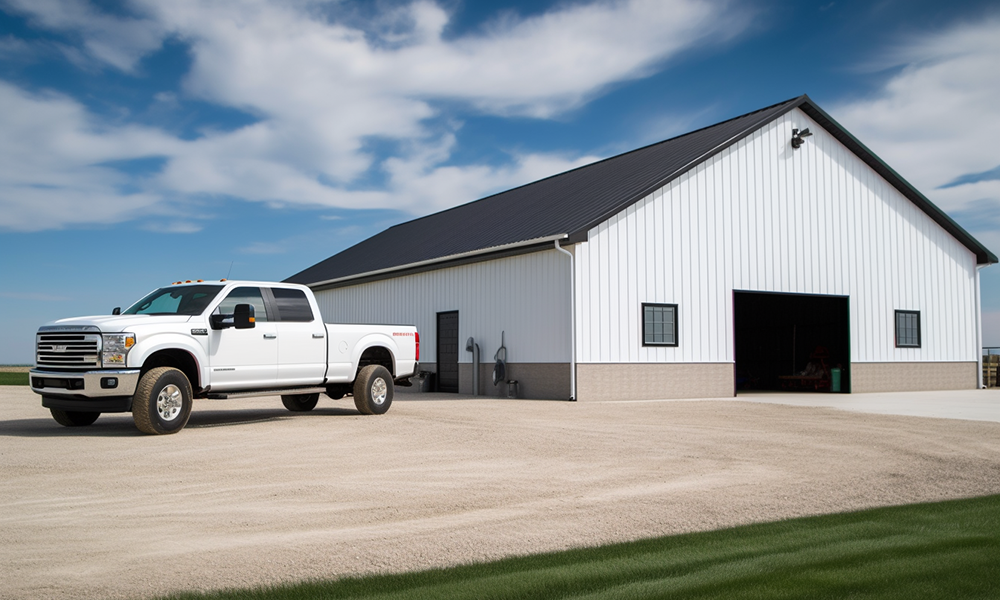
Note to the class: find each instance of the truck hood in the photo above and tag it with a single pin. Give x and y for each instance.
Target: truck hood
(117, 323)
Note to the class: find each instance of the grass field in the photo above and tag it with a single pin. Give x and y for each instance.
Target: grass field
(13, 378)
(942, 550)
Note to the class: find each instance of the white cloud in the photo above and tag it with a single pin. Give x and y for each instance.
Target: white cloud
(938, 118)
(117, 41)
(321, 89)
(53, 164)
(546, 64)
(421, 185)
(172, 226)
(11, 46)
(278, 58)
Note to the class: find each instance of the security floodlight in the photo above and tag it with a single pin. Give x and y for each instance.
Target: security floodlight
(798, 135)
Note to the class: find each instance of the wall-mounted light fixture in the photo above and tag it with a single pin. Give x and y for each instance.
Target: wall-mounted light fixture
(798, 135)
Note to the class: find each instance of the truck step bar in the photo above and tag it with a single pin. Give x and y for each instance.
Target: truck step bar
(256, 393)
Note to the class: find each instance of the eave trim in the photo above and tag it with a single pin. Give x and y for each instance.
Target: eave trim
(421, 265)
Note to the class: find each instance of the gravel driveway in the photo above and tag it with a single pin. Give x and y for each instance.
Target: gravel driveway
(252, 494)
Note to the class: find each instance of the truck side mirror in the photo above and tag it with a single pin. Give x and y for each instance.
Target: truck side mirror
(243, 316)
(117, 310)
(219, 321)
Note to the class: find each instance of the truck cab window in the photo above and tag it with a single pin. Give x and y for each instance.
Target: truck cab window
(244, 295)
(293, 305)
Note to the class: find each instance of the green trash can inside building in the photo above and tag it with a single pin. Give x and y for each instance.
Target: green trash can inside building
(835, 380)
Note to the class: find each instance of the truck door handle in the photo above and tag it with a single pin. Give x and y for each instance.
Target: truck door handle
(270, 336)
(317, 336)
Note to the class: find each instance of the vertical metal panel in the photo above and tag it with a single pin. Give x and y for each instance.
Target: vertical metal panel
(527, 296)
(761, 216)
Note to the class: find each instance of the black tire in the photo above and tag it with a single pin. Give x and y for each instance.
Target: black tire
(74, 418)
(300, 402)
(162, 401)
(338, 391)
(373, 390)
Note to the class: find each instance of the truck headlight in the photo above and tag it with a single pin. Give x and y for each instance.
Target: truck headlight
(116, 347)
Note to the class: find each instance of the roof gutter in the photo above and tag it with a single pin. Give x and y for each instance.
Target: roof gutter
(441, 259)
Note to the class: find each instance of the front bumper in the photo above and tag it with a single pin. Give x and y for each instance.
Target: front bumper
(104, 404)
(89, 384)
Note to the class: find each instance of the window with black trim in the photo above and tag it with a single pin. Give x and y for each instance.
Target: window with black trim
(659, 324)
(244, 295)
(907, 328)
(293, 305)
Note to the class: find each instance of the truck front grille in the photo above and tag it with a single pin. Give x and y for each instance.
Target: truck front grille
(68, 350)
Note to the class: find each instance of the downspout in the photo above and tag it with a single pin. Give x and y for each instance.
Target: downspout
(572, 321)
(473, 347)
(979, 329)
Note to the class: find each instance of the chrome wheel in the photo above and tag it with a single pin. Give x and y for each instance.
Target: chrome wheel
(379, 391)
(169, 402)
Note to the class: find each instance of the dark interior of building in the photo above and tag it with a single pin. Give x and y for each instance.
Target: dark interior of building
(792, 342)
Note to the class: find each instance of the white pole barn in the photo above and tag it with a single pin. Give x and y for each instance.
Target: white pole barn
(771, 251)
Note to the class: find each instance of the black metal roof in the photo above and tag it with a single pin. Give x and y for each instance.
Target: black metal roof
(574, 202)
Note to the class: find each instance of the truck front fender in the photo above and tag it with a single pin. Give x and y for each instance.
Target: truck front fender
(146, 347)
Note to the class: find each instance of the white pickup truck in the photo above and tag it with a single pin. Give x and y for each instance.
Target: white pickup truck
(225, 339)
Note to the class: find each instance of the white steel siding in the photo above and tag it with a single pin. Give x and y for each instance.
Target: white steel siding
(528, 296)
(761, 216)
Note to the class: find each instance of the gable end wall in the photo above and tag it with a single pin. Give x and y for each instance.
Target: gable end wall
(761, 216)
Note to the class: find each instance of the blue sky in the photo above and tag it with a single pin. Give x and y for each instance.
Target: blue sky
(145, 142)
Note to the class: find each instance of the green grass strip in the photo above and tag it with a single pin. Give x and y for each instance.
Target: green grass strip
(13, 378)
(943, 550)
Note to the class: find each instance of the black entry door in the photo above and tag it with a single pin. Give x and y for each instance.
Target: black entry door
(447, 352)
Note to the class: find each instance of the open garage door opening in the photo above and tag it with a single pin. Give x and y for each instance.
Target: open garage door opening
(792, 342)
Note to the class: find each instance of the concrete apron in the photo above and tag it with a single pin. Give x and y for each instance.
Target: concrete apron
(969, 405)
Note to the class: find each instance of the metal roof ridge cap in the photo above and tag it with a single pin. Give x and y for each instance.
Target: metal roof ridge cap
(431, 261)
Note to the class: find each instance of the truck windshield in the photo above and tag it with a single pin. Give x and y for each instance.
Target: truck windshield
(188, 300)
